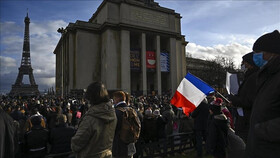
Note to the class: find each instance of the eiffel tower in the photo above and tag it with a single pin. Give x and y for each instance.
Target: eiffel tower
(19, 88)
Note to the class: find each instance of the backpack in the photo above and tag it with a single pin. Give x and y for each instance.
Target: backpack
(131, 125)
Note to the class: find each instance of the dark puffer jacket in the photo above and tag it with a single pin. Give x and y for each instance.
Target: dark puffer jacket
(264, 135)
(95, 133)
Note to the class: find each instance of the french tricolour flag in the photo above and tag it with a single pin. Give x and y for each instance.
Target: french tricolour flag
(190, 93)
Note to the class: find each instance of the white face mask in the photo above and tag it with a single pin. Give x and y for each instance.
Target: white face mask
(243, 68)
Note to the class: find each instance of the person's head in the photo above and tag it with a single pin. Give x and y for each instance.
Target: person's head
(61, 119)
(96, 93)
(141, 107)
(266, 47)
(215, 109)
(118, 97)
(248, 62)
(218, 101)
(127, 98)
(148, 112)
(17, 107)
(34, 111)
(211, 99)
(36, 120)
(58, 109)
(156, 112)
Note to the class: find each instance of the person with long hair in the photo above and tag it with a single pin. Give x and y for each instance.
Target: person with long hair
(96, 130)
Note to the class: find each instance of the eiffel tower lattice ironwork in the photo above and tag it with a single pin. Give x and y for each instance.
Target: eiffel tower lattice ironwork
(19, 88)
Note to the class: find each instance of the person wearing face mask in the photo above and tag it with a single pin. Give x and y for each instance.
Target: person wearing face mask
(244, 99)
(264, 136)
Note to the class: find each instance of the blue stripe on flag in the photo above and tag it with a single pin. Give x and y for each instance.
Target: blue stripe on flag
(201, 85)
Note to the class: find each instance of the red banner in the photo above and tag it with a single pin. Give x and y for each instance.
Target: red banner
(151, 60)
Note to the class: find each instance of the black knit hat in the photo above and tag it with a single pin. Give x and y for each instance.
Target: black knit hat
(249, 58)
(269, 42)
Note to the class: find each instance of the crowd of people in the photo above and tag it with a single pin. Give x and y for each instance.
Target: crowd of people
(46, 125)
(242, 125)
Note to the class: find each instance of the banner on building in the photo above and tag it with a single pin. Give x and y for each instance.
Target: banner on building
(151, 60)
(164, 62)
(135, 60)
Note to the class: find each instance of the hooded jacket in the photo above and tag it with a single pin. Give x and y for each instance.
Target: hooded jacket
(95, 133)
(264, 135)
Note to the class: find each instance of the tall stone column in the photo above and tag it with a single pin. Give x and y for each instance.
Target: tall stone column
(158, 71)
(184, 67)
(173, 64)
(110, 69)
(62, 68)
(125, 58)
(143, 59)
(179, 61)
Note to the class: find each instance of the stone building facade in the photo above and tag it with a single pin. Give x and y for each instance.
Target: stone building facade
(132, 45)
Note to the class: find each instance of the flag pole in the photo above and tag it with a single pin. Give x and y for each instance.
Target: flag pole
(222, 96)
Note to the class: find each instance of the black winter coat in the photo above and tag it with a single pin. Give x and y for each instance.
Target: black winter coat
(216, 141)
(200, 115)
(236, 146)
(7, 136)
(60, 139)
(150, 131)
(245, 99)
(264, 133)
(36, 141)
(161, 123)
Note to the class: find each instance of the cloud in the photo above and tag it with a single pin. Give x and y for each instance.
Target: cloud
(9, 28)
(232, 50)
(8, 65)
(47, 82)
(43, 40)
(214, 22)
(46, 27)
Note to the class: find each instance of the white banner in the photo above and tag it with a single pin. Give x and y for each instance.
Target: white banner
(232, 83)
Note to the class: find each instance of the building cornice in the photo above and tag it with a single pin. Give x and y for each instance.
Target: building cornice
(82, 25)
(155, 7)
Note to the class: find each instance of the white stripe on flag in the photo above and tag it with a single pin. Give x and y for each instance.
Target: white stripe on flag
(190, 92)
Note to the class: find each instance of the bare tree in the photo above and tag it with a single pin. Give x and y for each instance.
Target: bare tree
(211, 71)
(188, 55)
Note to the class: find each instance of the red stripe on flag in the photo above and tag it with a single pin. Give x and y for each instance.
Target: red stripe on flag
(180, 101)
